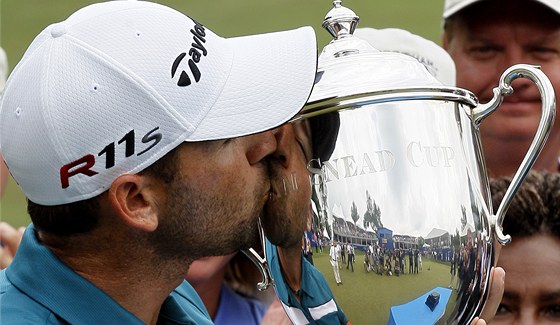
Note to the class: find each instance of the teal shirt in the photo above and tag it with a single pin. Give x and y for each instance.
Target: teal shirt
(317, 304)
(38, 288)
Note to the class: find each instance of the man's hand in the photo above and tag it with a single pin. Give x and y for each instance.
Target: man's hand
(497, 278)
(10, 239)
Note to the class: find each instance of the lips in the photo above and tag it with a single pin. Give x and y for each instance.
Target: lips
(270, 197)
(275, 179)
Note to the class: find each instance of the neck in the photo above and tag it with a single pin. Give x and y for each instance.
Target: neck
(290, 261)
(131, 276)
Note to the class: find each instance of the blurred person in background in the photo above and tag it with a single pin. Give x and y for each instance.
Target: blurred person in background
(4, 173)
(532, 259)
(227, 286)
(484, 38)
(9, 236)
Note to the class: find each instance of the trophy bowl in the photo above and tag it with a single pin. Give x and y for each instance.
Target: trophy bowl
(398, 177)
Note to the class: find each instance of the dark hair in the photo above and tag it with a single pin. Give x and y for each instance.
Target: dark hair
(536, 206)
(324, 133)
(83, 216)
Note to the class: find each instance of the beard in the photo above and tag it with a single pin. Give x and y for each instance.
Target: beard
(196, 224)
(285, 215)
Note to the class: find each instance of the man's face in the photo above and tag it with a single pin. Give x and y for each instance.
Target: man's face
(532, 289)
(485, 43)
(216, 198)
(287, 211)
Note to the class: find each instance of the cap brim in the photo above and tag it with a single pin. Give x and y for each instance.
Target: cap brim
(452, 7)
(552, 4)
(271, 78)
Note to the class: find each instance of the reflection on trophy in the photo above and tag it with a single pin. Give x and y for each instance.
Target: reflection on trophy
(397, 180)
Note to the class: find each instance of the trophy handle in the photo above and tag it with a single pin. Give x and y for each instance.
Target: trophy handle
(548, 100)
(260, 261)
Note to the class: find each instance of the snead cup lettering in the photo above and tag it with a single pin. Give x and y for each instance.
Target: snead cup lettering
(350, 166)
(196, 52)
(417, 155)
(85, 165)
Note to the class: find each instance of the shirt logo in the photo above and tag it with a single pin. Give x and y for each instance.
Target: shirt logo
(195, 53)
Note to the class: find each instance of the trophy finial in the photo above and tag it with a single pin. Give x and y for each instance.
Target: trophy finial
(340, 21)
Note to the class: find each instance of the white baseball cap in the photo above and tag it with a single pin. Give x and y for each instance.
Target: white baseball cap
(451, 7)
(438, 62)
(117, 85)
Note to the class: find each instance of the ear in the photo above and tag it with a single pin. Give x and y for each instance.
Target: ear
(134, 199)
(444, 41)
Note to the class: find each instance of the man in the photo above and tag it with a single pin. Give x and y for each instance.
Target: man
(307, 249)
(334, 254)
(484, 38)
(133, 131)
(532, 289)
(350, 256)
(410, 261)
(453, 269)
(342, 249)
(302, 289)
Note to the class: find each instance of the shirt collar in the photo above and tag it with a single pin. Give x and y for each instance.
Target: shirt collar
(41, 275)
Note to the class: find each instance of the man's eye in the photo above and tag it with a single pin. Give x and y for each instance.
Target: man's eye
(552, 311)
(503, 310)
(545, 53)
(302, 147)
(483, 51)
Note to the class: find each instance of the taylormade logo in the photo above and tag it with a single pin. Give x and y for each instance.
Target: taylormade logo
(196, 52)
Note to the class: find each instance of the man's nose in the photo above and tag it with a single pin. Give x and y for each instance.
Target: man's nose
(514, 56)
(261, 145)
(285, 143)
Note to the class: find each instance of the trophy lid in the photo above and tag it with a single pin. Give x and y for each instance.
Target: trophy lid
(340, 21)
(350, 66)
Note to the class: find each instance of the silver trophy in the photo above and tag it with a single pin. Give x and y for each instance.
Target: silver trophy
(399, 174)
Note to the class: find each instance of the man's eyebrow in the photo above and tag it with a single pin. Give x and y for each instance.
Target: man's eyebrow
(549, 296)
(511, 296)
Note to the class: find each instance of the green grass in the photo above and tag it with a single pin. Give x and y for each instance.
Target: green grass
(22, 20)
(366, 298)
